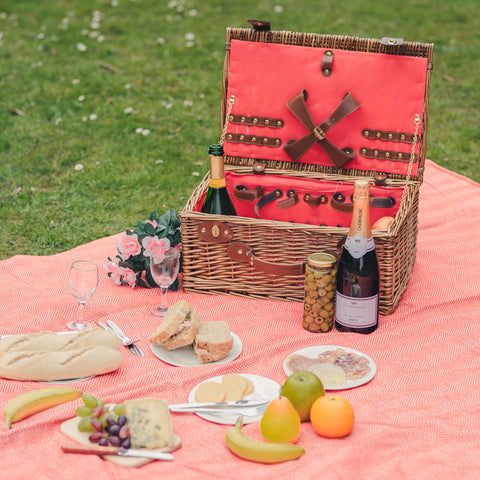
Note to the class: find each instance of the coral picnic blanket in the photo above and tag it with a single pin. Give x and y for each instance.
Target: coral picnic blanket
(418, 418)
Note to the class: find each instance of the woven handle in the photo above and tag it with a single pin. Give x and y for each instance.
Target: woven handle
(242, 253)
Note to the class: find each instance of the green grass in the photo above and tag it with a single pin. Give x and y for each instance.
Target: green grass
(49, 204)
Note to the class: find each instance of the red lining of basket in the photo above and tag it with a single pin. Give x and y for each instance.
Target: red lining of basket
(302, 212)
(389, 88)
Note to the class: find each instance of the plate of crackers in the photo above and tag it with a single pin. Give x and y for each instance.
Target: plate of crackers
(232, 387)
(339, 368)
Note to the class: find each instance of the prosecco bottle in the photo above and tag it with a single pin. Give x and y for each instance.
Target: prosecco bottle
(357, 293)
(217, 200)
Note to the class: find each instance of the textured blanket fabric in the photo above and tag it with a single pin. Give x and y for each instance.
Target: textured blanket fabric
(418, 418)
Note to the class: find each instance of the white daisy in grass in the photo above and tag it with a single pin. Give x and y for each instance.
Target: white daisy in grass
(160, 40)
(128, 110)
(81, 98)
(78, 167)
(93, 116)
(81, 47)
(75, 81)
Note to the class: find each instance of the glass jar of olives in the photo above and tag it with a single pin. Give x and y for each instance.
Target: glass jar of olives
(320, 283)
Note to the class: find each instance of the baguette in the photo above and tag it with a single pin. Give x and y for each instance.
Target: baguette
(43, 366)
(53, 342)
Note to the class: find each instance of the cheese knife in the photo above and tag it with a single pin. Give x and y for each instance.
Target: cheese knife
(119, 451)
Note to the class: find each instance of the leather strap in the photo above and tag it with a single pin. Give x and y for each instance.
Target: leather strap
(256, 121)
(290, 201)
(259, 140)
(297, 148)
(315, 201)
(214, 232)
(242, 253)
(387, 136)
(327, 62)
(241, 192)
(386, 155)
(266, 199)
(337, 203)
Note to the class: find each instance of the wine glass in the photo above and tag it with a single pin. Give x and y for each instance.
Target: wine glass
(83, 281)
(164, 266)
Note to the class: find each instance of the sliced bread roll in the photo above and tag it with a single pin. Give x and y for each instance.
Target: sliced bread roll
(53, 342)
(171, 322)
(214, 337)
(42, 366)
(213, 341)
(185, 333)
(204, 356)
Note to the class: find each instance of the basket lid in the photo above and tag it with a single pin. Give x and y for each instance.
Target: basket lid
(326, 104)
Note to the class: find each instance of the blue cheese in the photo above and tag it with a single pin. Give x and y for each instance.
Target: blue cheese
(149, 423)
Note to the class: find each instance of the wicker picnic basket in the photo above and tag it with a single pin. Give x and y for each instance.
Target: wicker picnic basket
(264, 258)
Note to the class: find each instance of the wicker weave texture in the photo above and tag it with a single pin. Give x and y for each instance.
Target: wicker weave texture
(207, 267)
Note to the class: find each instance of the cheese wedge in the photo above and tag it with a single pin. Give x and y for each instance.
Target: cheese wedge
(149, 422)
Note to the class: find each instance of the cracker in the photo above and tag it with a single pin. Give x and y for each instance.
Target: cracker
(210, 392)
(250, 387)
(230, 379)
(233, 393)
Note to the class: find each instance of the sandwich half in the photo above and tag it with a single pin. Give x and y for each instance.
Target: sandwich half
(178, 328)
(213, 341)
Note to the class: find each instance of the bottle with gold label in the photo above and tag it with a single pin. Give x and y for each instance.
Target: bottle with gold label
(217, 200)
(357, 294)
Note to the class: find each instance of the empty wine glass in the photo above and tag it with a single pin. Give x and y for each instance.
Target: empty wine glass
(164, 266)
(83, 281)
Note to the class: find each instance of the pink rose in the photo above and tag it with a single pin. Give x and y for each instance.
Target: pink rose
(111, 266)
(128, 276)
(151, 243)
(129, 246)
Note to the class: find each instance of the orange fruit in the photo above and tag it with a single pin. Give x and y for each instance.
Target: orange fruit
(332, 416)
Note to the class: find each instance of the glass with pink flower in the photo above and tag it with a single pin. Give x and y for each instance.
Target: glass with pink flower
(164, 266)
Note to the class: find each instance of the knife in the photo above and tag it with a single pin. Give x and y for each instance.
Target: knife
(186, 407)
(133, 347)
(121, 452)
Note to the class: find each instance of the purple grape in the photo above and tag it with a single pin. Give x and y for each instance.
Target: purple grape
(126, 443)
(124, 432)
(110, 421)
(114, 441)
(97, 425)
(95, 437)
(103, 442)
(122, 420)
(114, 430)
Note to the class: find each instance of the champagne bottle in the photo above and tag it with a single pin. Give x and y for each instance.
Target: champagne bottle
(217, 200)
(357, 291)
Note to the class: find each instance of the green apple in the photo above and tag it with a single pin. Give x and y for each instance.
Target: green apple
(302, 389)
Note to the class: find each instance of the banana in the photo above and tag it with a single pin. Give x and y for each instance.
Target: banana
(256, 451)
(36, 401)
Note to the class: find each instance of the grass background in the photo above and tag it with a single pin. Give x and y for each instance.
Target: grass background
(73, 167)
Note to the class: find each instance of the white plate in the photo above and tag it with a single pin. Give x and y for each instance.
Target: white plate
(184, 356)
(264, 388)
(313, 352)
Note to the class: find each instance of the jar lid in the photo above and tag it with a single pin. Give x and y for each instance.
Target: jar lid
(322, 259)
